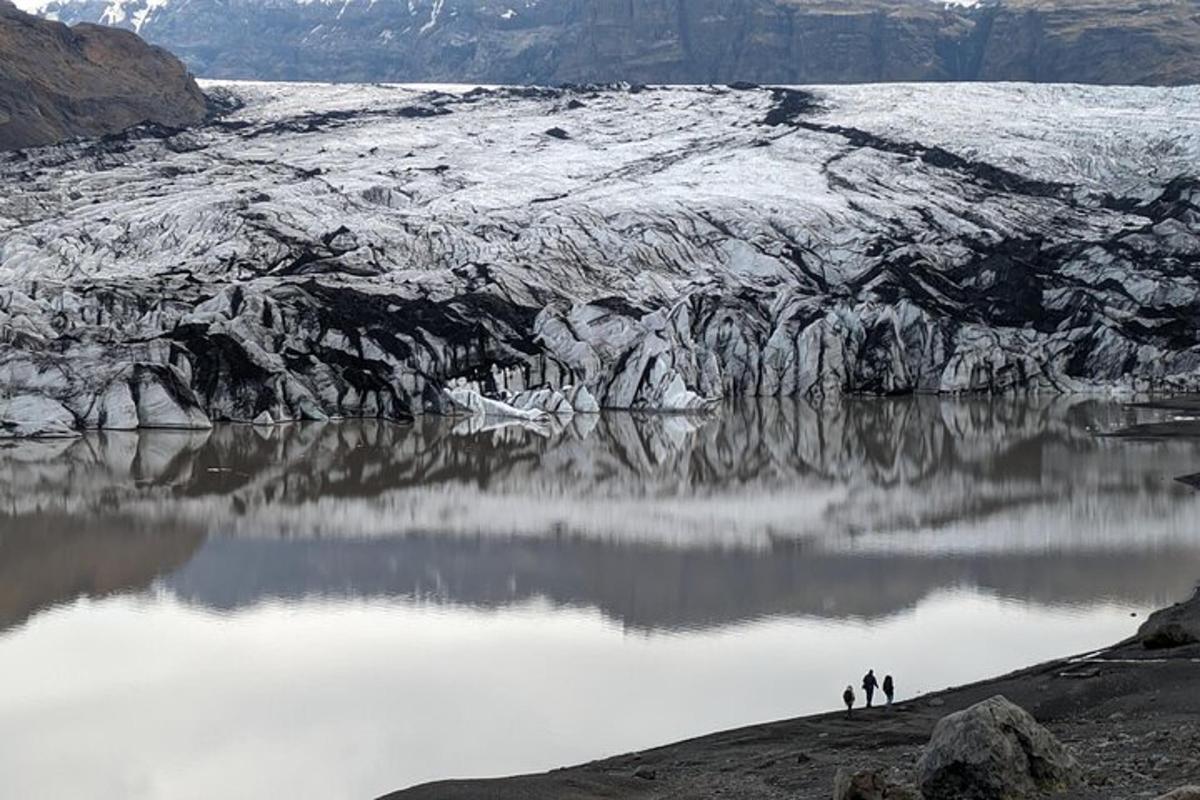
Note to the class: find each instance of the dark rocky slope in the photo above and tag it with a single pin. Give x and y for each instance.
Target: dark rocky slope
(58, 82)
(670, 41)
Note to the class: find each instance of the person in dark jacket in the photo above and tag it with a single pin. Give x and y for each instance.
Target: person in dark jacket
(889, 689)
(870, 684)
(848, 699)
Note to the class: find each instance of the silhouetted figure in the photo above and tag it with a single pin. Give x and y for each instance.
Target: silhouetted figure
(848, 699)
(870, 685)
(889, 689)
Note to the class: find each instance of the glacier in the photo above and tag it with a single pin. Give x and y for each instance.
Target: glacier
(326, 251)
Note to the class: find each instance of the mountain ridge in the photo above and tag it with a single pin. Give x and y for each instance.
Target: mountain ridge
(58, 82)
(1151, 42)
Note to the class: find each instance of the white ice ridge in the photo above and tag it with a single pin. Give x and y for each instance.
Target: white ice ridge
(334, 251)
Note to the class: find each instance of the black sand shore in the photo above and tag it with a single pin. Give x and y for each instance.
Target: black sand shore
(1131, 716)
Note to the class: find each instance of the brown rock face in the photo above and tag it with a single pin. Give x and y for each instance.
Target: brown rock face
(58, 82)
(1154, 42)
(714, 40)
(1151, 42)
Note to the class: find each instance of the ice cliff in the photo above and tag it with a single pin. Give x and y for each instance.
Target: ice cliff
(326, 251)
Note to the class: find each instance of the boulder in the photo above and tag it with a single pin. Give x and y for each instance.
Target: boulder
(994, 750)
(869, 785)
(1172, 627)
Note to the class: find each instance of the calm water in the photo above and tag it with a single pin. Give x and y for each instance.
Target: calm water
(335, 611)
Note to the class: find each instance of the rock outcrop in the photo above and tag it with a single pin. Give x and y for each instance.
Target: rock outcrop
(1175, 626)
(992, 750)
(349, 252)
(58, 82)
(668, 41)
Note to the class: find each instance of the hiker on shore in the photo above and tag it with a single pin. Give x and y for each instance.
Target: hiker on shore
(870, 684)
(889, 689)
(848, 699)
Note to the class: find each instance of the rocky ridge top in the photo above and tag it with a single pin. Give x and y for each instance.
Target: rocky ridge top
(58, 82)
(1153, 42)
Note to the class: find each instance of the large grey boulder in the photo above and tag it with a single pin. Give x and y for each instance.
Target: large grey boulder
(994, 750)
(1172, 627)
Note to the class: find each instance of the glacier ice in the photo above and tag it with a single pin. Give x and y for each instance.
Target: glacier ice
(333, 251)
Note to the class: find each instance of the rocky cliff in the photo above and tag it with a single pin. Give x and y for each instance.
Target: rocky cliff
(358, 251)
(58, 82)
(669, 41)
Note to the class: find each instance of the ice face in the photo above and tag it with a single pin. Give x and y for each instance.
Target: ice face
(329, 251)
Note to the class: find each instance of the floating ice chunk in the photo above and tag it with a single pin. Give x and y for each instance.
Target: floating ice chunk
(474, 403)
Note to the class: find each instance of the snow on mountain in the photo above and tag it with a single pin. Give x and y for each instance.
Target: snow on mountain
(1155, 42)
(354, 251)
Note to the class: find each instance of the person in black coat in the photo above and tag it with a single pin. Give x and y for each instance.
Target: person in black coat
(889, 689)
(870, 684)
(848, 699)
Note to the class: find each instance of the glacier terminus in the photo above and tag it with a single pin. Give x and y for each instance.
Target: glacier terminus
(319, 251)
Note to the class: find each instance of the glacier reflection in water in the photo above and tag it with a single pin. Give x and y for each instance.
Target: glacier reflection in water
(611, 583)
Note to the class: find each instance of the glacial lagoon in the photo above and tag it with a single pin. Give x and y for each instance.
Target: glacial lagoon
(338, 610)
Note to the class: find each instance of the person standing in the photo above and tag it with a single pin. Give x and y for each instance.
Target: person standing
(869, 685)
(848, 699)
(889, 689)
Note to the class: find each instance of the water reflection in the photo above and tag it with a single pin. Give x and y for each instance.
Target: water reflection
(662, 523)
(335, 611)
